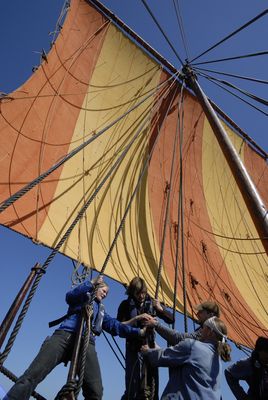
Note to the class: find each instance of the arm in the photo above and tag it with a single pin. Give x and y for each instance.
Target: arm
(79, 295)
(171, 356)
(236, 372)
(116, 328)
(170, 335)
(162, 312)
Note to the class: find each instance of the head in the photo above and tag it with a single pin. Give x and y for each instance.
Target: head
(101, 291)
(214, 330)
(261, 348)
(137, 289)
(206, 310)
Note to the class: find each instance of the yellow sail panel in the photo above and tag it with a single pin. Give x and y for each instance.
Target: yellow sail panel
(122, 76)
(233, 228)
(94, 75)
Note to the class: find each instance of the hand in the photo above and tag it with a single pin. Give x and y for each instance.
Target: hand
(143, 317)
(157, 305)
(144, 348)
(150, 322)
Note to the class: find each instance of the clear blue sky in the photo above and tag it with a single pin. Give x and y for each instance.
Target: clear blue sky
(24, 31)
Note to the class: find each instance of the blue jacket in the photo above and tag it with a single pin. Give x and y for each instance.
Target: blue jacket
(194, 373)
(78, 297)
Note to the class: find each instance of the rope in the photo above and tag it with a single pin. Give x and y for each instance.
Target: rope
(180, 23)
(161, 30)
(166, 219)
(89, 313)
(260, 53)
(8, 202)
(246, 93)
(247, 78)
(111, 347)
(58, 246)
(232, 34)
(178, 230)
(233, 94)
(129, 204)
(14, 379)
(181, 210)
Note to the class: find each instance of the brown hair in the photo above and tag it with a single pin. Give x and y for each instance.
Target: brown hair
(136, 286)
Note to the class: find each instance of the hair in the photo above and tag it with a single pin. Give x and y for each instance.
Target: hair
(101, 284)
(136, 286)
(219, 328)
(211, 307)
(261, 344)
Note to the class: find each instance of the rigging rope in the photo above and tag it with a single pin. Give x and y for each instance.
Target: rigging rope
(64, 238)
(246, 93)
(14, 379)
(166, 218)
(8, 202)
(233, 94)
(111, 347)
(178, 225)
(181, 27)
(262, 14)
(259, 53)
(247, 78)
(162, 31)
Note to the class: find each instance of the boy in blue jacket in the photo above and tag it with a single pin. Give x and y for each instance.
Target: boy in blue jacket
(58, 347)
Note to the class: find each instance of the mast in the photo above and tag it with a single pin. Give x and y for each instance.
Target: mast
(255, 204)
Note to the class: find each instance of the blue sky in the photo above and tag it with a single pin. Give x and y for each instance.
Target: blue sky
(24, 29)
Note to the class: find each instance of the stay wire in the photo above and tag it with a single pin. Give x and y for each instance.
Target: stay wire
(262, 14)
(162, 31)
(166, 218)
(146, 162)
(247, 78)
(233, 94)
(56, 249)
(180, 103)
(181, 27)
(245, 92)
(113, 350)
(259, 53)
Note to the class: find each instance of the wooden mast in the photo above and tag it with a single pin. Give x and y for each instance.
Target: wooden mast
(255, 204)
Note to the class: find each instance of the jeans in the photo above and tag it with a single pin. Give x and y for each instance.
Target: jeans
(56, 349)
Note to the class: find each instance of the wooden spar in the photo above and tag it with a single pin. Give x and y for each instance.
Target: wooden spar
(255, 205)
(9, 318)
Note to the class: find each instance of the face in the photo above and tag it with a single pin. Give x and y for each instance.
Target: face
(205, 333)
(140, 296)
(102, 293)
(263, 357)
(203, 315)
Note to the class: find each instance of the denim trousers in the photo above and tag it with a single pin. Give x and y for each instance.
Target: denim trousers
(54, 350)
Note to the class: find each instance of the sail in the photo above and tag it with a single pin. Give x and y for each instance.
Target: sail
(98, 85)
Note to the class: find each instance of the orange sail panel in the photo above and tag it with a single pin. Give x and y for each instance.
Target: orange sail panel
(95, 75)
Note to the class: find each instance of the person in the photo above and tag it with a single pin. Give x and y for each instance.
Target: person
(58, 347)
(253, 370)
(135, 311)
(194, 365)
(204, 310)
